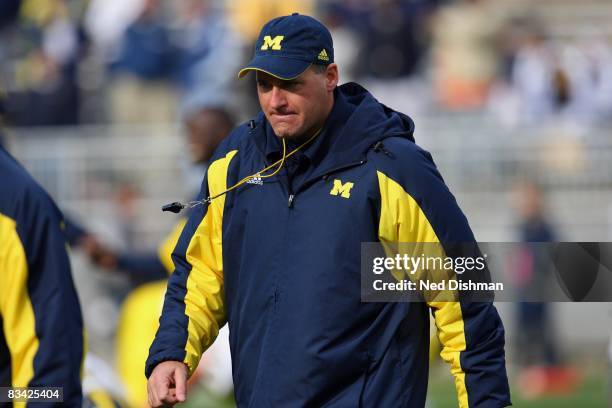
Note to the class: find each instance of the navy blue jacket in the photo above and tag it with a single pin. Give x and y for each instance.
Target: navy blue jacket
(41, 328)
(279, 261)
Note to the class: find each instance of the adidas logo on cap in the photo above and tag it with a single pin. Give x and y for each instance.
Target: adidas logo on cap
(323, 55)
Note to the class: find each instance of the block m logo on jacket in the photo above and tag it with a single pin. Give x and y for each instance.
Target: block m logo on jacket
(343, 189)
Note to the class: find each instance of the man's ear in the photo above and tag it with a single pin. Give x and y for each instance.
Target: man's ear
(331, 77)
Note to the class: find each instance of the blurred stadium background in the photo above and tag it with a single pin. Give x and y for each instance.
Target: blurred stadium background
(501, 92)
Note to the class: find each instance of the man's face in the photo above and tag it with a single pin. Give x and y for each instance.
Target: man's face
(297, 107)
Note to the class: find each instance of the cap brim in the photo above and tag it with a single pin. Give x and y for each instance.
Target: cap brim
(281, 67)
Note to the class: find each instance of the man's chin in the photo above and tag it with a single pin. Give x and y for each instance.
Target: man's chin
(285, 133)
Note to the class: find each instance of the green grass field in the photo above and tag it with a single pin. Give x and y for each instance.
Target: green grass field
(591, 394)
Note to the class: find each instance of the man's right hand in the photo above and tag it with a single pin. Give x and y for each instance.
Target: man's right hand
(167, 384)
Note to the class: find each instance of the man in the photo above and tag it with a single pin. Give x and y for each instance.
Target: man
(277, 256)
(41, 328)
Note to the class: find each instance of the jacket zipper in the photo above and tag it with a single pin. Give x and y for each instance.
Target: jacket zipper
(290, 188)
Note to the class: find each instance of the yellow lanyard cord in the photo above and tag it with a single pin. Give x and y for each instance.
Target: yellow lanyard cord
(279, 162)
(177, 206)
(258, 174)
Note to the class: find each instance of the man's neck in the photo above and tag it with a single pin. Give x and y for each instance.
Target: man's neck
(298, 140)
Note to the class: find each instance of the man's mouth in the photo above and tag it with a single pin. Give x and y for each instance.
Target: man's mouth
(282, 115)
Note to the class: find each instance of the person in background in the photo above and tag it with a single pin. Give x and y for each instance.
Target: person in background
(465, 54)
(542, 371)
(9, 12)
(41, 326)
(39, 55)
(142, 70)
(206, 49)
(43, 340)
(535, 340)
(394, 38)
(247, 16)
(532, 73)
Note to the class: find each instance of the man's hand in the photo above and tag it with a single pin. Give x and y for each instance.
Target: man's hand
(98, 253)
(167, 384)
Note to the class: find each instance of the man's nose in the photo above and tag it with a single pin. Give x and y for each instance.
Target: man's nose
(278, 99)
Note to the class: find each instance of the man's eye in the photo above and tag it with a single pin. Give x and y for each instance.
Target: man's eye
(263, 84)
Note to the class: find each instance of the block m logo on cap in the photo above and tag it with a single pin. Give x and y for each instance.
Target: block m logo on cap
(274, 43)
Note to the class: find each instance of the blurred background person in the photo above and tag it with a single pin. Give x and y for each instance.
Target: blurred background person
(533, 74)
(141, 70)
(9, 12)
(535, 337)
(465, 54)
(41, 56)
(538, 354)
(43, 341)
(393, 36)
(385, 45)
(248, 15)
(42, 334)
(206, 49)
